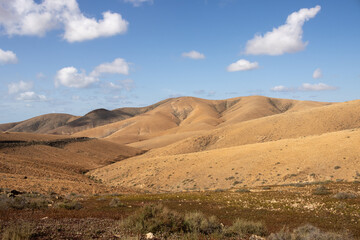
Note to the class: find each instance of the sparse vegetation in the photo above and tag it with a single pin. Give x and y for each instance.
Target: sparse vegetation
(306, 232)
(70, 205)
(242, 228)
(18, 231)
(322, 190)
(345, 195)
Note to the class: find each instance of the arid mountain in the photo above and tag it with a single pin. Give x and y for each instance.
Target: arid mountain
(69, 124)
(40, 124)
(183, 117)
(45, 163)
(194, 144)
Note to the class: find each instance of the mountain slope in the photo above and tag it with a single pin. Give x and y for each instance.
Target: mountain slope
(44, 168)
(180, 118)
(40, 124)
(331, 156)
(313, 121)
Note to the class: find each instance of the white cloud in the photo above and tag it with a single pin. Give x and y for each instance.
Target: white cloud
(30, 96)
(138, 3)
(71, 77)
(19, 87)
(242, 65)
(7, 57)
(81, 28)
(316, 87)
(281, 88)
(284, 39)
(118, 66)
(26, 17)
(317, 73)
(193, 55)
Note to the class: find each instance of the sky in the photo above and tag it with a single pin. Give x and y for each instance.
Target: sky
(74, 56)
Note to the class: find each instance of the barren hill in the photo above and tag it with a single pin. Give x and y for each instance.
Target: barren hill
(30, 162)
(69, 124)
(183, 117)
(193, 143)
(331, 156)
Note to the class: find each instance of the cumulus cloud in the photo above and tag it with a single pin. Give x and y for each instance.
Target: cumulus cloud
(242, 65)
(21, 86)
(27, 17)
(281, 88)
(317, 73)
(81, 28)
(73, 78)
(7, 57)
(137, 3)
(30, 96)
(193, 55)
(118, 66)
(316, 87)
(285, 39)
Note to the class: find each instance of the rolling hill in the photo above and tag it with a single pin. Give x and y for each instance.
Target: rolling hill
(191, 144)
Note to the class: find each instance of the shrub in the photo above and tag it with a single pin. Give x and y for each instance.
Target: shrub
(244, 228)
(18, 232)
(155, 219)
(70, 205)
(345, 195)
(322, 190)
(115, 202)
(306, 232)
(197, 222)
(242, 190)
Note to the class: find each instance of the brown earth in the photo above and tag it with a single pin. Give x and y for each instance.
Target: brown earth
(33, 163)
(194, 144)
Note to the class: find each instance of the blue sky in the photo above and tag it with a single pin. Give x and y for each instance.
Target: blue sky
(73, 56)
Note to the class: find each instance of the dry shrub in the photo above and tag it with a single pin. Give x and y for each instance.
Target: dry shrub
(197, 222)
(242, 228)
(155, 219)
(70, 205)
(307, 232)
(115, 203)
(322, 190)
(345, 195)
(21, 231)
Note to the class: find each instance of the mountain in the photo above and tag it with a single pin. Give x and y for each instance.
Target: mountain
(187, 143)
(69, 124)
(180, 118)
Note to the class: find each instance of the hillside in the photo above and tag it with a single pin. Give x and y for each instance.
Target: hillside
(38, 165)
(183, 117)
(69, 124)
(331, 156)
